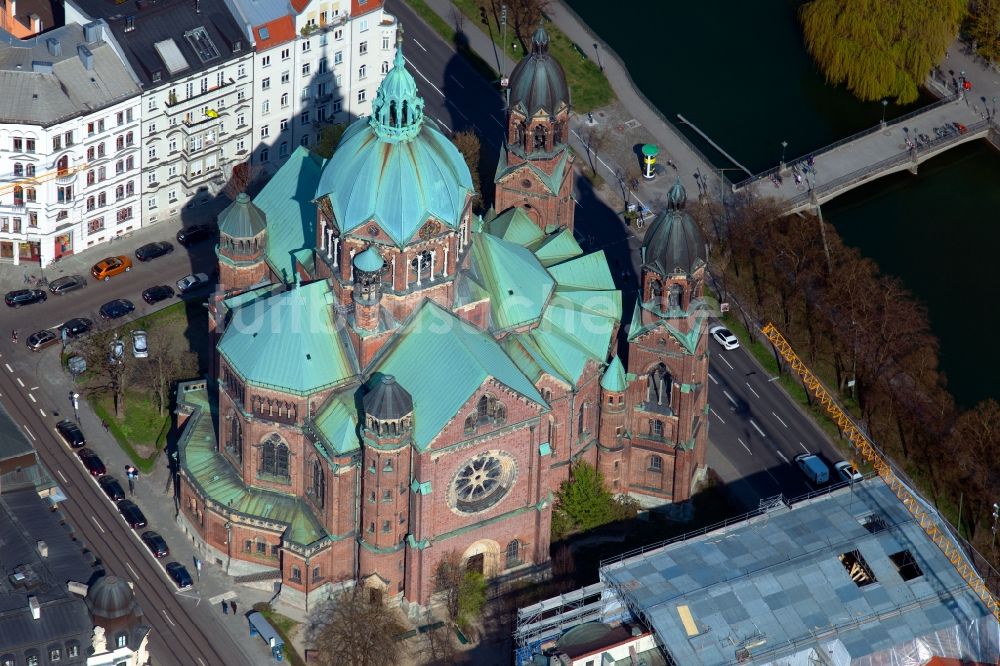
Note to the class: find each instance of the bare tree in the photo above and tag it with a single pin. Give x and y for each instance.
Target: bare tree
(523, 17)
(239, 178)
(594, 139)
(351, 629)
(167, 363)
(468, 144)
(448, 580)
(110, 372)
(439, 649)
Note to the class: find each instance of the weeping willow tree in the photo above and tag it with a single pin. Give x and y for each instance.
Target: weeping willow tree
(984, 28)
(880, 49)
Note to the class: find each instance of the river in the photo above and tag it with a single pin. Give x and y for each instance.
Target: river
(740, 72)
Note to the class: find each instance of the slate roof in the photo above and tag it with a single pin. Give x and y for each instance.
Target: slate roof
(140, 25)
(32, 95)
(13, 443)
(780, 575)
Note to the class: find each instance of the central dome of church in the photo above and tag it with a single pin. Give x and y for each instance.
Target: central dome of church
(396, 167)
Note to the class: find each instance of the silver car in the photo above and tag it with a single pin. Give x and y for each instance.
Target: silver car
(140, 348)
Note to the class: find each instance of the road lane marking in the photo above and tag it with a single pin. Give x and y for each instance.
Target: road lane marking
(19, 381)
(201, 662)
(443, 123)
(168, 619)
(752, 391)
(414, 67)
(9, 369)
(459, 83)
(757, 428)
(33, 388)
(62, 476)
(32, 398)
(713, 378)
(782, 455)
(726, 362)
(731, 398)
(29, 433)
(744, 446)
(129, 566)
(94, 518)
(42, 412)
(716, 414)
(803, 447)
(779, 419)
(419, 44)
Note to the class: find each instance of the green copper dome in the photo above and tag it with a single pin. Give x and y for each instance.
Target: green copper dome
(396, 168)
(674, 244)
(538, 82)
(242, 219)
(369, 261)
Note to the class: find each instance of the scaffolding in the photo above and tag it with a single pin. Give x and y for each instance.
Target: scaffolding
(547, 619)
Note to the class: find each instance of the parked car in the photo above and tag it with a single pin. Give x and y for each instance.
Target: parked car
(116, 352)
(194, 234)
(71, 433)
(92, 462)
(111, 488)
(140, 344)
(179, 574)
(847, 472)
(42, 339)
(191, 282)
(116, 308)
(76, 327)
(153, 250)
(814, 469)
(156, 544)
(107, 268)
(132, 514)
(67, 283)
(19, 297)
(724, 337)
(158, 293)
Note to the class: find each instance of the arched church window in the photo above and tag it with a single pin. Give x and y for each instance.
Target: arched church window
(557, 132)
(513, 553)
(484, 407)
(581, 420)
(470, 424)
(656, 427)
(393, 120)
(318, 483)
(655, 289)
(655, 464)
(274, 457)
(406, 113)
(539, 138)
(674, 296)
(421, 263)
(658, 385)
(500, 413)
(236, 436)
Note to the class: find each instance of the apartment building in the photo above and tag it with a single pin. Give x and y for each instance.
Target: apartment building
(195, 69)
(315, 63)
(69, 144)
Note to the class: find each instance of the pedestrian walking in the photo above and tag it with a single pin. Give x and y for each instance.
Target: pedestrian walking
(225, 607)
(232, 607)
(104, 423)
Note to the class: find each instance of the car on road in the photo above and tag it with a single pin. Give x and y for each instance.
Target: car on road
(107, 268)
(92, 462)
(191, 282)
(41, 339)
(158, 293)
(111, 488)
(847, 472)
(71, 433)
(179, 574)
(76, 327)
(116, 308)
(140, 344)
(19, 297)
(66, 284)
(116, 352)
(156, 544)
(132, 514)
(813, 468)
(153, 250)
(724, 337)
(188, 236)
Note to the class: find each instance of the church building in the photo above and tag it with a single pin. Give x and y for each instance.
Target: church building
(397, 378)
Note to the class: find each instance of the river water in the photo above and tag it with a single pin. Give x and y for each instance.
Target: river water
(739, 71)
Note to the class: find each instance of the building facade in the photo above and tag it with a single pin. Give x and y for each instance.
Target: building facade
(398, 380)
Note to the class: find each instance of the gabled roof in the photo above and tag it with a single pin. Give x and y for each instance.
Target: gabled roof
(289, 342)
(550, 181)
(286, 200)
(442, 361)
(587, 272)
(558, 247)
(515, 226)
(272, 33)
(338, 423)
(519, 286)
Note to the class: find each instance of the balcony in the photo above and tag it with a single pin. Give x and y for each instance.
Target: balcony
(173, 102)
(66, 177)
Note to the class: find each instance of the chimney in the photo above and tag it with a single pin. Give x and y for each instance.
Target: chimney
(86, 56)
(36, 24)
(36, 609)
(92, 32)
(76, 588)
(43, 549)
(41, 67)
(55, 47)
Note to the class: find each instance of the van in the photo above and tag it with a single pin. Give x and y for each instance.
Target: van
(815, 469)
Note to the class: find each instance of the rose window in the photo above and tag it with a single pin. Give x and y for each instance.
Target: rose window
(482, 482)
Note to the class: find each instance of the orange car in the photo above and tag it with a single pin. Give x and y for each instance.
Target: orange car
(105, 268)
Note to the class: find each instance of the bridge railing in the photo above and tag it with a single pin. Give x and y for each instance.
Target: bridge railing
(848, 139)
(858, 175)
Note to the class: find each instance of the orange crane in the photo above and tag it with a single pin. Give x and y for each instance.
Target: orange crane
(29, 181)
(866, 448)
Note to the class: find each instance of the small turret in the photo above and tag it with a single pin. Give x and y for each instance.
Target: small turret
(242, 245)
(367, 293)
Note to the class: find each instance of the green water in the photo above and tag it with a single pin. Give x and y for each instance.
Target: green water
(740, 72)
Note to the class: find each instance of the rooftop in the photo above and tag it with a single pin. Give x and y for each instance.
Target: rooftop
(13, 443)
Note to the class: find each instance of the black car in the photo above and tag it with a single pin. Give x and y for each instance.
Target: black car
(194, 234)
(71, 433)
(92, 462)
(111, 488)
(67, 284)
(153, 250)
(132, 514)
(19, 297)
(156, 544)
(41, 339)
(179, 574)
(76, 327)
(116, 308)
(158, 293)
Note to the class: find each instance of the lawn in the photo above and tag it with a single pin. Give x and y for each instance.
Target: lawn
(286, 628)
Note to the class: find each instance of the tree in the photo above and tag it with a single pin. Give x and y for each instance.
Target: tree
(523, 17)
(240, 177)
(107, 376)
(351, 629)
(448, 581)
(468, 144)
(594, 139)
(329, 138)
(471, 600)
(984, 28)
(440, 649)
(167, 363)
(975, 446)
(584, 502)
(880, 49)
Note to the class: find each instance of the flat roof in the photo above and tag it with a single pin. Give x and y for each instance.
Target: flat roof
(826, 572)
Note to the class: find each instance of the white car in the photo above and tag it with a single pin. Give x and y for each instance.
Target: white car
(846, 472)
(191, 282)
(116, 352)
(724, 337)
(140, 348)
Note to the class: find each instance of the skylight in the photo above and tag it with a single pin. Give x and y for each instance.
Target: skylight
(202, 44)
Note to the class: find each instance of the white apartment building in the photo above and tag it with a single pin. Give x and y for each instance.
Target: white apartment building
(316, 62)
(195, 68)
(69, 144)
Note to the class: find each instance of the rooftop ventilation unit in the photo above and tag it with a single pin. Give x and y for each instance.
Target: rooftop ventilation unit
(54, 46)
(92, 32)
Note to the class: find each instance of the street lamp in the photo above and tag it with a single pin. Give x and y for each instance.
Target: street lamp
(885, 103)
(994, 108)
(784, 145)
(598, 52)
(996, 515)
(74, 398)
